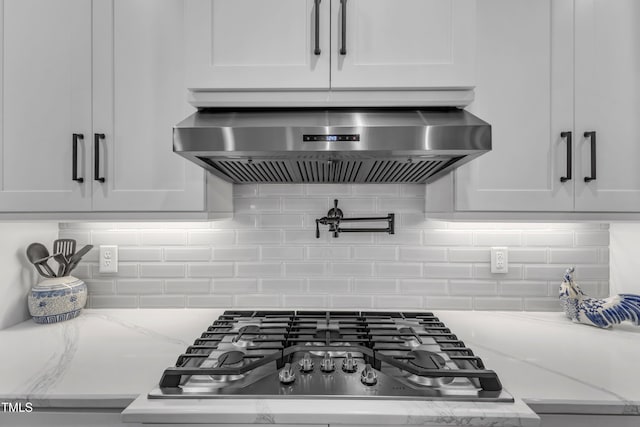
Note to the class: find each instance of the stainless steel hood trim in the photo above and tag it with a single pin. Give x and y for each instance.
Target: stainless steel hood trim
(395, 145)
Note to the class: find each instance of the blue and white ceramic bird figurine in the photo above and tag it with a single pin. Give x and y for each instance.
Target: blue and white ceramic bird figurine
(602, 313)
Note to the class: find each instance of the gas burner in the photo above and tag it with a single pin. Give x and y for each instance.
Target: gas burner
(246, 335)
(230, 359)
(408, 337)
(427, 360)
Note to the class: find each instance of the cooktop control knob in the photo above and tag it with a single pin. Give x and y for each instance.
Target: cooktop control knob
(286, 374)
(368, 376)
(306, 364)
(327, 364)
(349, 364)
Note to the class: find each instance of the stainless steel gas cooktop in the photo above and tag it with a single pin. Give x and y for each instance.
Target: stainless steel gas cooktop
(330, 354)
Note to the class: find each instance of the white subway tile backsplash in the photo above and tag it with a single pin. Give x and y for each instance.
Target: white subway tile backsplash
(523, 288)
(355, 302)
(238, 253)
(388, 269)
(100, 287)
(282, 286)
(253, 206)
(162, 301)
(187, 286)
(447, 238)
(128, 253)
(137, 287)
(573, 256)
(162, 270)
(424, 287)
(447, 271)
(216, 269)
(114, 237)
(281, 221)
(257, 301)
(353, 269)
(397, 302)
(473, 287)
(258, 237)
(328, 286)
(385, 253)
(423, 254)
(374, 286)
(592, 238)
(211, 237)
(305, 269)
(164, 238)
(280, 190)
(267, 256)
(332, 190)
(124, 270)
(113, 301)
(328, 253)
(210, 301)
(258, 269)
(497, 238)
(235, 286)
(187, 254)
(306, 301)
(548, 238)
(282, 252)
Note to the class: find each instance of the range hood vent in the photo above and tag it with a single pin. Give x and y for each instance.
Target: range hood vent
(331, 146)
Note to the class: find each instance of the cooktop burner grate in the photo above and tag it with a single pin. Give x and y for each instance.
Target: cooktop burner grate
(411, 353)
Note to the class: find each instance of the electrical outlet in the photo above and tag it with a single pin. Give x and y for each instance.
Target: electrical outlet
(499, 260)
(108, 259)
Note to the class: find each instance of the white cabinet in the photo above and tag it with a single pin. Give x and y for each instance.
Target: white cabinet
(45, 88)
(402, 44)
(547, 69)
(330, 44)
(138, 95)
(110, 68)
(607, 102)
(257, 44)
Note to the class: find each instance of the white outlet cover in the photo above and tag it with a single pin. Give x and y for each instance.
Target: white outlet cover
(500, 260)
(108, 259)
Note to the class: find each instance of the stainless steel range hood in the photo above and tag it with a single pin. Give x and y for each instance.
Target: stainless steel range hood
(331, 145)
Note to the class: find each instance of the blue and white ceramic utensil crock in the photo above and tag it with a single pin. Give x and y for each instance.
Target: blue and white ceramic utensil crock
(57, 299)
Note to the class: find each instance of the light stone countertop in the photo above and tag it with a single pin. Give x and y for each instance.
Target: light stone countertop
(108, 357)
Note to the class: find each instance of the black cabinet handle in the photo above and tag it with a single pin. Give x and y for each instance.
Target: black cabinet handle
(317, 50)
(343, 49)
(74, 161)
(96, 156)
(592, 136)
(567, 135)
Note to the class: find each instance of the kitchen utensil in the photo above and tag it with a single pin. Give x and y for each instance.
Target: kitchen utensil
(63, 262)
(76, 257)
(67, 247)
(38, 254)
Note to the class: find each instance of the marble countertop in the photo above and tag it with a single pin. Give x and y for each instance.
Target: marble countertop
(106, 358)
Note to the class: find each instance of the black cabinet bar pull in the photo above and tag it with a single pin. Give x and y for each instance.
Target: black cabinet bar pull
(343, 48)
(317, 50)
(592, 136)
(96, 156)
(74, 160)
(567, 136)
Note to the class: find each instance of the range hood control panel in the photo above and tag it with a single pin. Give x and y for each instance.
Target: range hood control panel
(331, 138)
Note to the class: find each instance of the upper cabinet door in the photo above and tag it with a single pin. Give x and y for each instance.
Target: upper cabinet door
(525, 91)
(257, 44)
(139, 95)
(608, 103)
(413, 44)
(45, 88)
